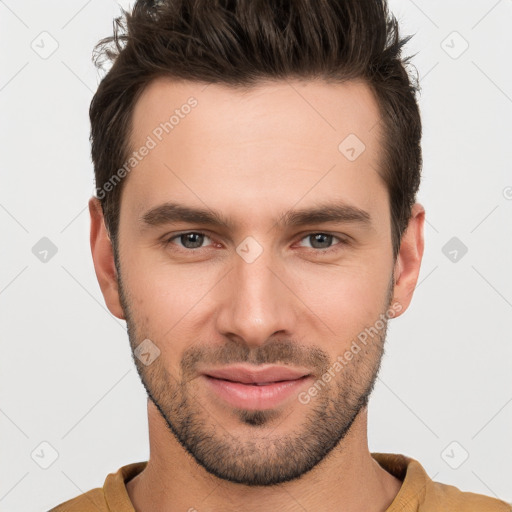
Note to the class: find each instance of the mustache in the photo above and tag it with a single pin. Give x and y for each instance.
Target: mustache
(284, 352)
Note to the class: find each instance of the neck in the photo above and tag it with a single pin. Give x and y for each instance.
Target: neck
(348, 479)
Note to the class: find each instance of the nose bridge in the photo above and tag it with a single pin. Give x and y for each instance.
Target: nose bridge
(257, 304)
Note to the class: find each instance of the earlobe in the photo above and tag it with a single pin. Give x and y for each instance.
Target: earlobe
(103, 258)
(408, 263)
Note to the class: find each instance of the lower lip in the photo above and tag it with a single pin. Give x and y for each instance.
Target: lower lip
(250, 396)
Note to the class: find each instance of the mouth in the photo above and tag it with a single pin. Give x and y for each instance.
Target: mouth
(262, 375)
(255, 395)
(258, 383)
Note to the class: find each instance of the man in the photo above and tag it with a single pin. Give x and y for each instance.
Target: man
(257, 164)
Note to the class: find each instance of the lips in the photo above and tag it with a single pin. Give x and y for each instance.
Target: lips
(257, 376)
(254, 388)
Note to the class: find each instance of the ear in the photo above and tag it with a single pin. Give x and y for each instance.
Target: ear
(103, 258)
(408, 261)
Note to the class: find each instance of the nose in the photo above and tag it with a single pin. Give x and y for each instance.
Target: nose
(256, 302)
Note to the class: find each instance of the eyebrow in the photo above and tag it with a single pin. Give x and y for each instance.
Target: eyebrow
(171, 213)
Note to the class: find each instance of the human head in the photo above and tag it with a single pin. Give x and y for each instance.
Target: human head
(241, 44)
(252, 151)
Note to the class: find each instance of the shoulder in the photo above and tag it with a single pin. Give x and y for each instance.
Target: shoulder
(451, 498)
(420, 493)
(91, 501)
(113, 495)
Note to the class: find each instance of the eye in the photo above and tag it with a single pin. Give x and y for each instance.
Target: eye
(323, 241)
(193, 240)
(188, 240)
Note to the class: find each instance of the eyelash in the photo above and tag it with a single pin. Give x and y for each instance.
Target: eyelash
(335, 247)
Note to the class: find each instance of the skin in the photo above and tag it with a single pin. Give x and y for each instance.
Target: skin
(253, 155)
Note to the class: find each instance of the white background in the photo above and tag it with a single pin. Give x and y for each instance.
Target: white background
(66, 372)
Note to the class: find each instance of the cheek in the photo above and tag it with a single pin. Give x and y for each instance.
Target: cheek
(167, 295)
(346, 298)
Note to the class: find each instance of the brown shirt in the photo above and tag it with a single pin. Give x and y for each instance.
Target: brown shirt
(418, 492)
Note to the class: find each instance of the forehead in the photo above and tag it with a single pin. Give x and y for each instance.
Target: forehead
(269, 144)
(327, 107)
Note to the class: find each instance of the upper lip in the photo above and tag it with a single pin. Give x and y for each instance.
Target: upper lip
(256, 375)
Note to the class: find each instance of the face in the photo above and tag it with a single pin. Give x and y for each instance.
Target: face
(290, 265)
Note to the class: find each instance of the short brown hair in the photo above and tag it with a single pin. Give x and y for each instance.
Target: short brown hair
(241, 43)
